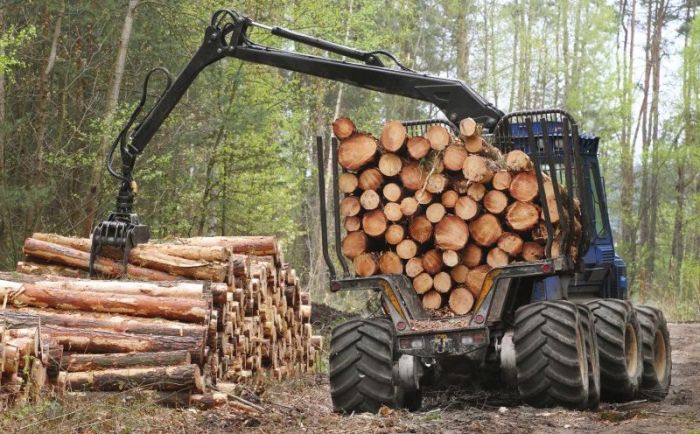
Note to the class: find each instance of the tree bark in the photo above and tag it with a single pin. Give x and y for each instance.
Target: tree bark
(101, 362)
(174, 378)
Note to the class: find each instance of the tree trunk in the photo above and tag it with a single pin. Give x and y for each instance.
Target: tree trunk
(174, 378)
(101, 362)
(110, 107)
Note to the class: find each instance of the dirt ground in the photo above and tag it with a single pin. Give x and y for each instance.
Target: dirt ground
(304, 406)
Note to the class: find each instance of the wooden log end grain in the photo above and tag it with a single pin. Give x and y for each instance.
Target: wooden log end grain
(347, 182)
(420, 229)
(466, 208)
(432, 300)
(432, 262)
(495, 201)
(518, 161)
(365, 265)
(392, 192)
(523, 187)
(461, 301)
(497, 258)
(449, 198)
(450, 258)
(485, 230)
(510, 243)
(393, 212)
(418, 147)
(522, 216)
(370, 200)
(477, 169)
(390, 164)
(414, 267)
(442, 282)
(454, 157)
(370, 179)
(412, 176)
(501, 180)
(354, 244)
(356, 151)
(459, 273)
(435, 212)
(423, 283)
(452, 233)
(394, 234)
(475, 279)
(393, 136)
(390, 263)
(350, 206)
(438, 137)
(343, 128)
(374, 223)
(406, 249)
(467, 127)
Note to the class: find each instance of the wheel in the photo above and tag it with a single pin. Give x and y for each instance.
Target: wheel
(550, 355)
(620, 349)
(656, 352)
(361, 366)
(588, 322)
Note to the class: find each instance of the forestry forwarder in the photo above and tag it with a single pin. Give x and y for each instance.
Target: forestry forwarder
(558, 330)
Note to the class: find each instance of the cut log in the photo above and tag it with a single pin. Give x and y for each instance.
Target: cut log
(475, 279)
(350, 206)
(418, 147)
(532, 251)
(100, 362)
(374, 223)
(175, 378)
(347, 182)
(343, 128)
(432, 300)
(412, 176)
(409, 206)
(472, 255)
(501, 180)
(518, 161)
(243, 245)
(466, 208)
(442, 282)
(390, 263)
(474, 144)
(76, 258)
(354, 244)
(452, 233)
(393, 212)
(406, 249)
(414, 267)
(461, 301)
(101, 321)
(420, 229)
(485, 230)
(101, 341)
(423, 283)
(435, 212)
(423, 197)
(370, 179)
(392, 192)
(467, 127)
(179, 309)
(449, 198)
(436, 183)
(454, 157)
(497, 258)
(432, 262)
(27, 267)
(510, 243)
(450, 258)
(194, 253)
(553, 210)
(393, 136)
(524, 186)
(370, 200)
(495, 201)
(459, 273)
(352, 223)
(477, 169)
(476, 191)
(522, 216)
(193, 290)
(438, 137)
(365, 265)
(356, 151)
(394, 234)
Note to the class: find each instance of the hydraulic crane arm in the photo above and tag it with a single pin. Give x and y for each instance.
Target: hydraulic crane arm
(227, 36)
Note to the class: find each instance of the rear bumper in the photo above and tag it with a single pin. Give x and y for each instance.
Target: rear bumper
(467, 342)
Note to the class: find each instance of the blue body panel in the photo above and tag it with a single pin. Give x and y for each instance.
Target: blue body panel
(603, 273)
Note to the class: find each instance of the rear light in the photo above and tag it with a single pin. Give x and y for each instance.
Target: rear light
(401, 325)
(473, 338)
(411, 343)
(546, 268)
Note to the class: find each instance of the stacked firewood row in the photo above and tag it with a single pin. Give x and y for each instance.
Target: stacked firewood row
(243, 318)
(441, 209)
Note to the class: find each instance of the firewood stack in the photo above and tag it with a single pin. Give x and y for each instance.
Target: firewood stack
(442, 210)
(242, 319)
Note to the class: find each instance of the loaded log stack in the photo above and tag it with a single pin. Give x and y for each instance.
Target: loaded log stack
(441, 209)
(202, 310)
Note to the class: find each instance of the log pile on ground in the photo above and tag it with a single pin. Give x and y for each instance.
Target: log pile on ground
(443, 210)
(243, 318)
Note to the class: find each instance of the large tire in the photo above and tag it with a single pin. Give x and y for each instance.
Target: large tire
(361, 366)
(550, 352)
(656, 350)
(588, 323)
(620, 349)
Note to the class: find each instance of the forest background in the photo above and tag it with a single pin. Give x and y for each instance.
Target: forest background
(237, 157)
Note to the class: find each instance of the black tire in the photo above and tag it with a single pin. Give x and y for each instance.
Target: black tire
(361, 366)
(656, 351)
(550, 354)
(620, 349)
(588, 323)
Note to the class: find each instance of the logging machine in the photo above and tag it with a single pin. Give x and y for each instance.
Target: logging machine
(559, 329)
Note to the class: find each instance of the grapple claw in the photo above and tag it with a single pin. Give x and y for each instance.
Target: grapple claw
(121, 231)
